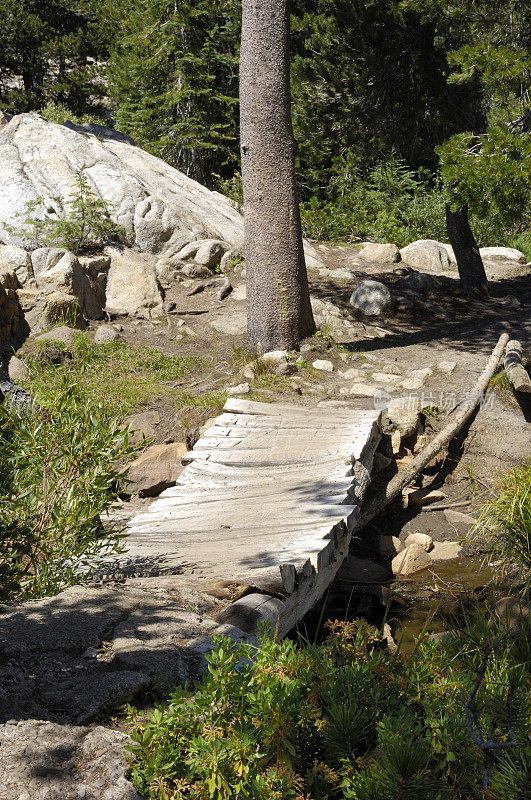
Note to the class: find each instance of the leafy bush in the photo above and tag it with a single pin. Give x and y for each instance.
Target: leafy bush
(344, 719)
(59, 113)
(61, 468)
(82, 228)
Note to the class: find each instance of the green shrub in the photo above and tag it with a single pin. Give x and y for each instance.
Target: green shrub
(59, 113)
(61, 469)
(84, 227)
(507, 519)
(344, 719)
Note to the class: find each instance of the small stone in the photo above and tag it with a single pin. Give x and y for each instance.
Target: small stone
(106, 334)
(422, 441)
(241, 388)
(18, 371)
(384, 377)
(371, 298)
(239, 292)
(404, 414)
(352, 373)
(62, 333)
(446, 367)
(362, 390)
(446, 551)
(392, 369)
(424, 497)
(416, 379)
(422, 539)
(461, 522)
(411, 560)
(156, 469)
(248, 372)
(385, 253)
(323, 365)
(396, 442)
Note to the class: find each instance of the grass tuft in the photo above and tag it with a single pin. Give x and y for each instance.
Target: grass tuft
(116, 375)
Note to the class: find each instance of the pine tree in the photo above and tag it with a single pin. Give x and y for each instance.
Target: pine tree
(173, 77)
(49, 52)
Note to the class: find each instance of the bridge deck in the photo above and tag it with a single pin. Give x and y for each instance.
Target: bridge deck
(269, 496)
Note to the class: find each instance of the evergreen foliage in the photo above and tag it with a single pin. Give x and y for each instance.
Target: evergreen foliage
(49, 52)
(344, 719)
(84, 227)
(174, 79)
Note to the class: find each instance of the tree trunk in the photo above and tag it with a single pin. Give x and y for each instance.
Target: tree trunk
(279, 313)
(469, 263)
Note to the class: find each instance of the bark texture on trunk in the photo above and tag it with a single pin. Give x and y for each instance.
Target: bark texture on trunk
(469, 262)
(279, 313)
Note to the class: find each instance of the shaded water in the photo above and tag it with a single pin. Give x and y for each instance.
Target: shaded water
(411, 606)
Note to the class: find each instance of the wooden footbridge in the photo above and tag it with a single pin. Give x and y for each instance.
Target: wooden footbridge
(269, 498)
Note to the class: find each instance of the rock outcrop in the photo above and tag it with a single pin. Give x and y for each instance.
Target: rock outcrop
(160, 208)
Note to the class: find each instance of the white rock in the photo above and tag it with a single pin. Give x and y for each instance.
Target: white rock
(446, 551)
(416, 379)
(411, 560)
(241, 388)
(386, 377)
(426, 254)
(239, 292)
(323, 364)
(274, 356)
(422, 539)
(209, 252)
(502, 254)
(450, 252)
(160, 207)
(362, 390)
(132, 286)
(64, 273)
(352, 373)
(404, 413)
(16, 259)
(386, 253)
(105, 334)
(371, 298)
(446, 367)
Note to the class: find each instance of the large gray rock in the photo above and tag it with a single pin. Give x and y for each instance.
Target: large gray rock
(502, 254)
(426, 254)
(159, 207)
(417, 282)
(16, 259)
(384, 253)
(63, 762)
(64, 273)
(371, 298)
(132, 286)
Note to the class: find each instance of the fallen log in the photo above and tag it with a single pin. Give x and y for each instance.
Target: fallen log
(460, 415)
(514, 368)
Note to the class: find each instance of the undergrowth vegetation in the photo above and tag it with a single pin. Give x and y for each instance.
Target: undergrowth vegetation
(61, 468)
(345, 719)
(507, 520)
(116, 375)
